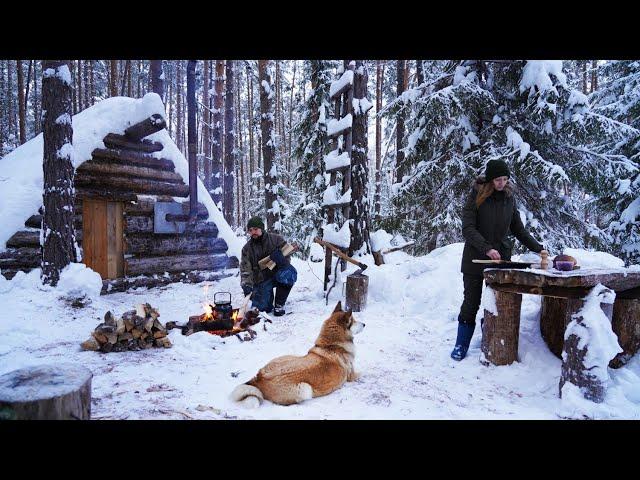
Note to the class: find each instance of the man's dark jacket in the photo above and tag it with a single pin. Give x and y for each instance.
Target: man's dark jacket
(256, 250)
(489, 227)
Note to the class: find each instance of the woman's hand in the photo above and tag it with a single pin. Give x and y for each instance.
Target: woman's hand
(493, 254)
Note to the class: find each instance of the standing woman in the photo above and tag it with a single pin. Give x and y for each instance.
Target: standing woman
(489, 216)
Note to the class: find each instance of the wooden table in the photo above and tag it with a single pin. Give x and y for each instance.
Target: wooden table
(562, 294)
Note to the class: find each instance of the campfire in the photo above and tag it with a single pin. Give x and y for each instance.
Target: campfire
(220, 318)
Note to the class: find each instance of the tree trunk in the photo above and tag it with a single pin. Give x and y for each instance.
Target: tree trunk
(594, 75)
(379, 83)
(216, 140)
(229, 155)
(293, 84)
(206, 131)
(12, 116)
(3, 97)
(169, 102)
(179, 108)
(37, 124)
(268, 149)
(419, 72)
(157, 78)
(250, 114)
(46, 392)
(92, 82)
(129, 85)
(59, 245)
(21, 103)
(401, 87)
(500, 333)
(79, 92)
(583, 64)
(113, 78)
(359, 211)
(192, 135)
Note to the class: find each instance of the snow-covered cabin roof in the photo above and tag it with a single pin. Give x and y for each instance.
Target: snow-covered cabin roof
(21, 172)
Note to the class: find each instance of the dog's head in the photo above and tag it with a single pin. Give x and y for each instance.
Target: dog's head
(340, 326)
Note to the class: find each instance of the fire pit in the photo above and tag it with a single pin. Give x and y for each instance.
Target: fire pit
(219, 319)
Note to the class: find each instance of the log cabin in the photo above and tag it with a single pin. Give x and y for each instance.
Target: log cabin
(133, 220)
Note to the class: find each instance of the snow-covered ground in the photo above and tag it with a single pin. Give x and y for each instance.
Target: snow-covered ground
(402, 354)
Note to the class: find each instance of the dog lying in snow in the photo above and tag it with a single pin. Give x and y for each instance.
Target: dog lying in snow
(290, 379)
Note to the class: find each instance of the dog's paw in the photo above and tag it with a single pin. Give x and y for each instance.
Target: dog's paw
(353, 377)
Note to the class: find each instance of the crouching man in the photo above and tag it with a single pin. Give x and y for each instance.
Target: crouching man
(260, 282)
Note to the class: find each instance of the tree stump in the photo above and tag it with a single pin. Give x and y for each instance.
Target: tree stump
(356, 294)
(500, 333)
(555, 315)
(626, 325)
(46, 392)
(587, 378)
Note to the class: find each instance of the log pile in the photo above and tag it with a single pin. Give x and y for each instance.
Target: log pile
(136, 330)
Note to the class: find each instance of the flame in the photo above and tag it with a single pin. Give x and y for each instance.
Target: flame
(208, 311)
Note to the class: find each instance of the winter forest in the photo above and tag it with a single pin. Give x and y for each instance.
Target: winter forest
(569, 129)
(136, 183)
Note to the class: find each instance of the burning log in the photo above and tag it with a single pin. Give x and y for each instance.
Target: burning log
(135, 330)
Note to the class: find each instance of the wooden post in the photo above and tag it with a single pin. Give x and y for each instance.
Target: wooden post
(626, 325)
(46, 392)
(357, 288)
(575, 371)
(500, 333)
(555, 315)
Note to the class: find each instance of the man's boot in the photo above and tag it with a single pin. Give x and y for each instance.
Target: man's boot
(278, 310)
(465, 332)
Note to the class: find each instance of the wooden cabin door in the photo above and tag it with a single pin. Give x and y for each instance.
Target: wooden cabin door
(102, 237)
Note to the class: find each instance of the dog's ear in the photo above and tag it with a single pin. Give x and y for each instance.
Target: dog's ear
(338, 307)
(349, 313)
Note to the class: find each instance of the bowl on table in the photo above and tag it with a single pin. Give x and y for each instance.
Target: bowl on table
(564, 265)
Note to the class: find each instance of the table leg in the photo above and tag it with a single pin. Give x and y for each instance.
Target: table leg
(500, 332)
(626, 325)
(555, 315)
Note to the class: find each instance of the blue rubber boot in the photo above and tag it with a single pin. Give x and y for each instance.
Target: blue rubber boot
(465, 332)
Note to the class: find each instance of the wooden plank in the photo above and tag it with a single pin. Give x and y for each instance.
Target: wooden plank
(114, 238)
(101, 237)
(119, 239)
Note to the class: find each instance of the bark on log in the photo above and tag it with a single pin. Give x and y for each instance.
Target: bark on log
(24, 238)
(129, 185)
(129, 157)
(113, 140)
(500, 333)
(146, 127)
(102, 168)
(46, 392)
(173, 244)
(175, 263)
(555, 315)
(613, 280)
(26, 257)
(34, 221)
(145, 206)
(144, 224)
(356, 292)
(574, 370)
(97, 191)
(626, 325)
(123, 284)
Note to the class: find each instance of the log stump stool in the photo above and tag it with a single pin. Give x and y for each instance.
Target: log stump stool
(356, 294)
(46, 392)
(501, 332)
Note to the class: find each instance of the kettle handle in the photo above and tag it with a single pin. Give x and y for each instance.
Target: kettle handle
(218, 293)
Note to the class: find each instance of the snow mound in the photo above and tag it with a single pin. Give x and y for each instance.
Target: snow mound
(77, 280)
(588, 259)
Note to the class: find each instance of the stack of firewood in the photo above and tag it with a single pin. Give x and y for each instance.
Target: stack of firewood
(136, 330)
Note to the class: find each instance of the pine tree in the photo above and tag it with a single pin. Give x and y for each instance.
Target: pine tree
(229, 149)
(58, 236)
(521, 112)
(267, 94)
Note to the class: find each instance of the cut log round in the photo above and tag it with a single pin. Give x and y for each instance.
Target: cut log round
(46, 392)
(146, 127)
(500, 334)
(130, 185)
(130, 157)
(356, 292)
(116, 141)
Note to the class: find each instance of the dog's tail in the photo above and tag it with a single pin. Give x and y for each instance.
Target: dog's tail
(248, 395)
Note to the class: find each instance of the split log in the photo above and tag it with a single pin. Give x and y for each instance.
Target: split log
(356, 292)
(500, 334)
(142, 225)
(113, 140)
(46, 392)
(96, 191)
(133, 158)
(124, 284)
(129, 171)
(574, 370)
(176, 263)
(18, 258)
(626, 325)
(174, 244)
(130, 185)
(146, 127)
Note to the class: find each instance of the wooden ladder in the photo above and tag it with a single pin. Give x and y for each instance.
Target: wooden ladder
(340, 134)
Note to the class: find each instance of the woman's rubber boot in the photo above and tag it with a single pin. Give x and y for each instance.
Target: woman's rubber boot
(465, 332)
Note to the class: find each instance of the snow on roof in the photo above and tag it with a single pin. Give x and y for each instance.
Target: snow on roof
(21, 174)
